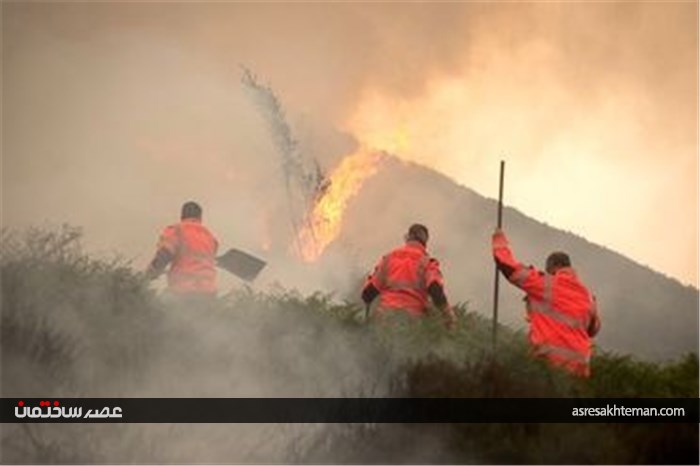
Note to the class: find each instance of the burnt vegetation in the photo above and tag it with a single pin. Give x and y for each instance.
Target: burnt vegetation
(76, 326)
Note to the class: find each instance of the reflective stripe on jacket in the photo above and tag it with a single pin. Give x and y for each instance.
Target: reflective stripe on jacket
(562, 312)
(402, 278)
(193, 269)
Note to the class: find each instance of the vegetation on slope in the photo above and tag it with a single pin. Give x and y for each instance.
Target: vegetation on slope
(75, 326)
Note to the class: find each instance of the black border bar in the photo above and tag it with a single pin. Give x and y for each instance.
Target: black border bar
(347, 410)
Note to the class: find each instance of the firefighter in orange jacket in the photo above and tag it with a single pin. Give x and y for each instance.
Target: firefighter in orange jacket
(561, 310)
(406, 277)
(190, 249)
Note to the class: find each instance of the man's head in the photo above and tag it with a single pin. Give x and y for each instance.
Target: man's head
(556, 261)
(418, 232)
(191, 210)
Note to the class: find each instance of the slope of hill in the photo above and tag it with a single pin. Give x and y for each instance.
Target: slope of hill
(644, 312)
(74, 326)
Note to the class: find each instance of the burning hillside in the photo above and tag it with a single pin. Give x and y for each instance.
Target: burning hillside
(325, 219)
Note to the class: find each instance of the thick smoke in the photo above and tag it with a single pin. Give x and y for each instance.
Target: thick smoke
(116, 113)
(596, 120)
(74, 327)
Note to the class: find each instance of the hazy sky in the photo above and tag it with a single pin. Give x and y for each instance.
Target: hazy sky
(113, 113)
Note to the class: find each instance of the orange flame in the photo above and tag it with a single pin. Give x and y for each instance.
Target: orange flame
(324, 221)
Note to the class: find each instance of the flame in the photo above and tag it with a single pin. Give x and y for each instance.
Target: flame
(324, 222)
(379, 133)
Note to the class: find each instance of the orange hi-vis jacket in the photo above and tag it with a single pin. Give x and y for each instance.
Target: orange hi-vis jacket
(402, 278)
(562, 312)
(193, 247)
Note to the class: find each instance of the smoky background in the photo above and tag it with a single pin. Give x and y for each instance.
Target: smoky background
(114, 114)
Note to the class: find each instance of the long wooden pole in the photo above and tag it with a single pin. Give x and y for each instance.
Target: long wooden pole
(499, 223)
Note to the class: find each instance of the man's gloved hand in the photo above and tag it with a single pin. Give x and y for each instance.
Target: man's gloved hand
(498, 239)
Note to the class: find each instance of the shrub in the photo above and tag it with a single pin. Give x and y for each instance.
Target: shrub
(77, 326)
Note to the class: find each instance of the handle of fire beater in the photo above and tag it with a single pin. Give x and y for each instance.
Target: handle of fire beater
(499, 222)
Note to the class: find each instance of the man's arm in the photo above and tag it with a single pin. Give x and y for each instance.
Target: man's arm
(437, 294)
(157, 266)
(527, 279)
(436, 291)
(372, 286)
(165, 253)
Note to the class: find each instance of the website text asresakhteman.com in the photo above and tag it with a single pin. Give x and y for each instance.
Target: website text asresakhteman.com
(614, 410)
